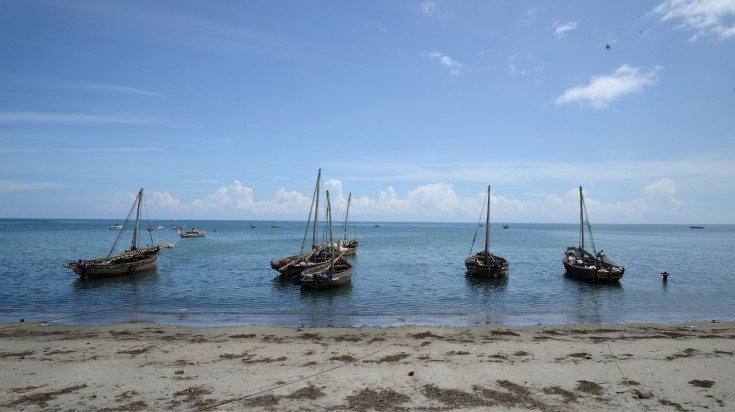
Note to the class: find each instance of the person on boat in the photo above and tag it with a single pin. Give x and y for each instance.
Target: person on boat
(599, 257)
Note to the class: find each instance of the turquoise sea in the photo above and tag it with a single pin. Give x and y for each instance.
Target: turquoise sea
(405, 273)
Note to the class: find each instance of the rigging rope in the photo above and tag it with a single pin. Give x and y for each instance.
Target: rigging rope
(308, 221)
(148, 222)
(589, 227)
(125, 226)
(477, 226)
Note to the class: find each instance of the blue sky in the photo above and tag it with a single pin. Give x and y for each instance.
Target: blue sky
(227, 109)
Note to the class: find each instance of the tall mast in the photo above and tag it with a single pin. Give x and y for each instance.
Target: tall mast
(331, 244)
(581, 217)
(347, 213)
(134, 244)
(487, 228)
(316, 210)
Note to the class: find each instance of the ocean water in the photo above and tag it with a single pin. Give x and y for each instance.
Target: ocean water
(405, 274)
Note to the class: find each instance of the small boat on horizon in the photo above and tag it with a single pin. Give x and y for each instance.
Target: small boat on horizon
(696, 227)
(194, 232)
(116, 226)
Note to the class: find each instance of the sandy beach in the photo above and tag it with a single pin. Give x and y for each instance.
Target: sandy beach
(140, 367)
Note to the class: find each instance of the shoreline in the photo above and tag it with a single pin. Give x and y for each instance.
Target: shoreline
(138, 366)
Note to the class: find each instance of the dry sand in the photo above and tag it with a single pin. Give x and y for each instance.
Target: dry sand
(141, 367)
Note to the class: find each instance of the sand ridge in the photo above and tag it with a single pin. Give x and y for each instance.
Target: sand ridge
(413, 368)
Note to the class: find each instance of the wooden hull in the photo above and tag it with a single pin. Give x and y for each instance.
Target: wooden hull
(295, 270)
(582, 265)
(128, 263)
(327, 276)
(495, 267)
(292, 266)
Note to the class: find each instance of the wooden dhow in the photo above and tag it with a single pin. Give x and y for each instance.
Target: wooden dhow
(292, 266)
(592, 266)
(132, 261)
(337, 271)
(485, 264)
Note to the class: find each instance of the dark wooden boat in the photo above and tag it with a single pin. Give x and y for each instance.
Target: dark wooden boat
(485, 264)
(132, 261)
(591, 266)
(328, 275)
(337, 271)
(292, 266)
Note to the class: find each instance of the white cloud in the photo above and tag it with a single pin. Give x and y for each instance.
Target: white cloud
(532, 12)
(7, 186)
(428, 7)
(41, 117)
(703, 17)
(523, 65)
(84, 150)
(602, 90)
(236, 195)
(454, 66)
(98, 87)
(164, 201)
(561, 29)
(662, 195)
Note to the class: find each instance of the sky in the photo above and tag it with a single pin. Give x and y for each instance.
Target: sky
(227, 109)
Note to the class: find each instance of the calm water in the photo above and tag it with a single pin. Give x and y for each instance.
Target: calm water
(405, 273)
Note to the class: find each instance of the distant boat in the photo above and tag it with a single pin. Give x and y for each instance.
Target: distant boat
(337, 271)
(179, 227)
(194, 232)
(696, 227)
(275, 226)
(581, 264)
(506, 227)
(116, 226)
(252, 226)
(376, 225)
(485, 264)
(129, 262)
(154, 228)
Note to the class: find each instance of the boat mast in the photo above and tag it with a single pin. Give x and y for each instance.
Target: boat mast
(316, 209)
(581, 217)
(347, 213)
(329, 219)
(134, 244)
(487, 228)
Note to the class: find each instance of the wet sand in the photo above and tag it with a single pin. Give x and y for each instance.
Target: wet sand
(141, 367)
